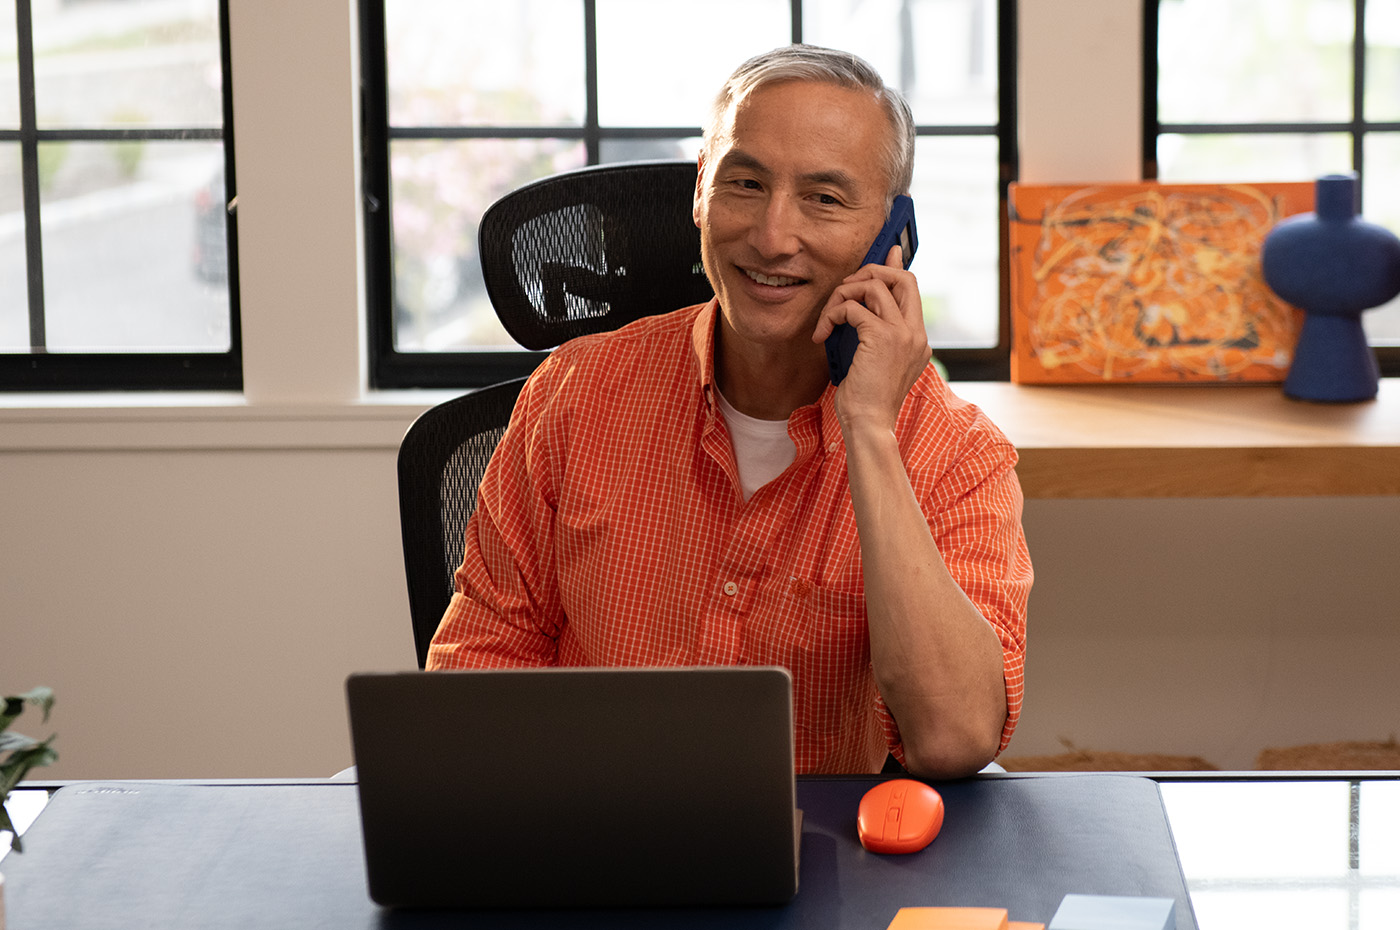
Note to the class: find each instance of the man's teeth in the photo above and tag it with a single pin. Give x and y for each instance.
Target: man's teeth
(772, 282)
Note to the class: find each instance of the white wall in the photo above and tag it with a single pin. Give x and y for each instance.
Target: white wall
(196, 576)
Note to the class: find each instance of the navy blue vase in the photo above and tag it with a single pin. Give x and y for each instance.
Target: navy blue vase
(1332, 265)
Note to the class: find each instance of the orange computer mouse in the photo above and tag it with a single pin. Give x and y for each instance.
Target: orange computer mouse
(899, 816)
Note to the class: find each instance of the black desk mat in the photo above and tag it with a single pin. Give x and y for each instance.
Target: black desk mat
(189, 857)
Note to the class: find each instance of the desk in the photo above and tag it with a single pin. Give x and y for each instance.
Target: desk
(1288, 852)
(188, 857)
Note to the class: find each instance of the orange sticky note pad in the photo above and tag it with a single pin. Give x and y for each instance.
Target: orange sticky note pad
(957, 918)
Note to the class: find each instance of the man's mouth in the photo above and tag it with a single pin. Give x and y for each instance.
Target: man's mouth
(772, 280)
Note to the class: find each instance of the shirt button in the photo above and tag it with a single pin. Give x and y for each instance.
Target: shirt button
(832, 446)
(731, 588)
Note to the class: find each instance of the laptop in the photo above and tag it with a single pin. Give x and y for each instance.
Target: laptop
(577, 787)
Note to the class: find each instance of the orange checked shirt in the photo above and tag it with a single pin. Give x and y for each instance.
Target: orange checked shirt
(610, 529)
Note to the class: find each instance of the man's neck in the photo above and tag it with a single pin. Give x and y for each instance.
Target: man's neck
(769, 383)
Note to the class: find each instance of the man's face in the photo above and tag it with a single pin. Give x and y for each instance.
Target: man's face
(789, 199)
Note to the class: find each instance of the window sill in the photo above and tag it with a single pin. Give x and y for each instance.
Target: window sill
(1122, 441)
(203, 421)
(1075, 442)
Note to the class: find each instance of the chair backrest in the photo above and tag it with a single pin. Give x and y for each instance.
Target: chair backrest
(581, 252)
(589, 250)
(441, 460)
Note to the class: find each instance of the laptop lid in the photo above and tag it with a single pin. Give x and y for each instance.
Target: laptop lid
(569, 787)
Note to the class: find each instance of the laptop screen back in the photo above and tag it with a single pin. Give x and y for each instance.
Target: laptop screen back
(576, 787)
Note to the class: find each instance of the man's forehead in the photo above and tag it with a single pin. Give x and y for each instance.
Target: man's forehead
(747, 143)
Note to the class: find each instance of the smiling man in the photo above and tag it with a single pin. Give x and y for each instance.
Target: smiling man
(692, 489)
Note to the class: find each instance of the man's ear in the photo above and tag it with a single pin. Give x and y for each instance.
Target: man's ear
(699, 188)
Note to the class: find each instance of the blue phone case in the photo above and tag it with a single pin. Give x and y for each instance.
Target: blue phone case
(841, 344)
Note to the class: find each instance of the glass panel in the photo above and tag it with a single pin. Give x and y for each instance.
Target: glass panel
(944, 60)
(9, 67)
(1272, 854)
(14, 307)
(1242, 61)
(440, 190)
(124, 63)
(1231, 158)
(1383, 60)
(121, 267)
(1379, 838)
(1272, 906)
(615, 150)
(24, 807)
(1233, 830)
(955, 195)
(1380, 200)
(661, 65)
(485, 62)
(1378, 907)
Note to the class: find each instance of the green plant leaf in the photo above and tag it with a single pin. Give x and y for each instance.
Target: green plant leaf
(14, 705)
(13, 769)
(13, 741)
(21, 753)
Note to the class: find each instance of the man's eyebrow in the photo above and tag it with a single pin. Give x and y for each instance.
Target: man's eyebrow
(835, 177)
(735, 158)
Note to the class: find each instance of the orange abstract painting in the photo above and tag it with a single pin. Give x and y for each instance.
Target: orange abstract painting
(1148, 282)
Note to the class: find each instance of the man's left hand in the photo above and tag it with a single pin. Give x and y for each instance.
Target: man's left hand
(883, 303)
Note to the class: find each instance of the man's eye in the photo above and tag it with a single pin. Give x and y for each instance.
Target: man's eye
(827, 200)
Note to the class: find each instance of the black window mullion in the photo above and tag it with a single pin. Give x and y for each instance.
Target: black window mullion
(1358, 93)
(376, 200)
(592, 139)
(234, 361)
(1151, 127)
(29, 176)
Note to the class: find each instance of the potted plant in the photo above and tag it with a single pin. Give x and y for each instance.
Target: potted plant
(19, 754)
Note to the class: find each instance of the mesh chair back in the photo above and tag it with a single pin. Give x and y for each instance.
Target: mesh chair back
(441, 460)
(587, 251)
(580, 252)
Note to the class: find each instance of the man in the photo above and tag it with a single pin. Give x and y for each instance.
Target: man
(692, 489)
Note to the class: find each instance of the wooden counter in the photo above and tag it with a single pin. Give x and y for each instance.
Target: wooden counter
(1209, 441)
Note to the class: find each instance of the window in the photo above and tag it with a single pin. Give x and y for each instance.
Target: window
(115, 265)
(468, 99)
(1239, 90)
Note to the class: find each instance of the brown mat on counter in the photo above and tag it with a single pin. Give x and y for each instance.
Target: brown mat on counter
(1332, 757)
(1085, 760)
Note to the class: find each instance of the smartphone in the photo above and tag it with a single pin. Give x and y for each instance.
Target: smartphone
(899, 230)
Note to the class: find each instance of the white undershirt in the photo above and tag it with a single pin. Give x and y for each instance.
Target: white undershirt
(762, 448)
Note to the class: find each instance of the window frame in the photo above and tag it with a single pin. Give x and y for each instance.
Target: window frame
(42, 370)
(389, 368)
(1356, 128)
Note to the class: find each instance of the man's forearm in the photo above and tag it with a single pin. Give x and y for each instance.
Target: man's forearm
(937, 661)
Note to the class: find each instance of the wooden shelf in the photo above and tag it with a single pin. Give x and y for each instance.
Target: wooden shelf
(1117, 441)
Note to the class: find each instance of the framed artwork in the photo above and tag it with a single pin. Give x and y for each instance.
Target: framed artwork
(1148, 283)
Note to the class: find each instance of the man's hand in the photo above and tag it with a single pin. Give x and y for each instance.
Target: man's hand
(882, 302)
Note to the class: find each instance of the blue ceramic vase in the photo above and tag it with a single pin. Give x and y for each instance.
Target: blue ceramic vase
(1332, 265)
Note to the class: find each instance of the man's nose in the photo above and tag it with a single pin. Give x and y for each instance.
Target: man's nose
(776, 228)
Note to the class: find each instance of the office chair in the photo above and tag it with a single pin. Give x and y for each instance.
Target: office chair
(580, 252)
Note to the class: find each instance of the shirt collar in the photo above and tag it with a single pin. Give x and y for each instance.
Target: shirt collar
(702, 336)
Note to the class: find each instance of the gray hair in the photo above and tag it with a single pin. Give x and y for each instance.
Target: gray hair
(827, 66)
